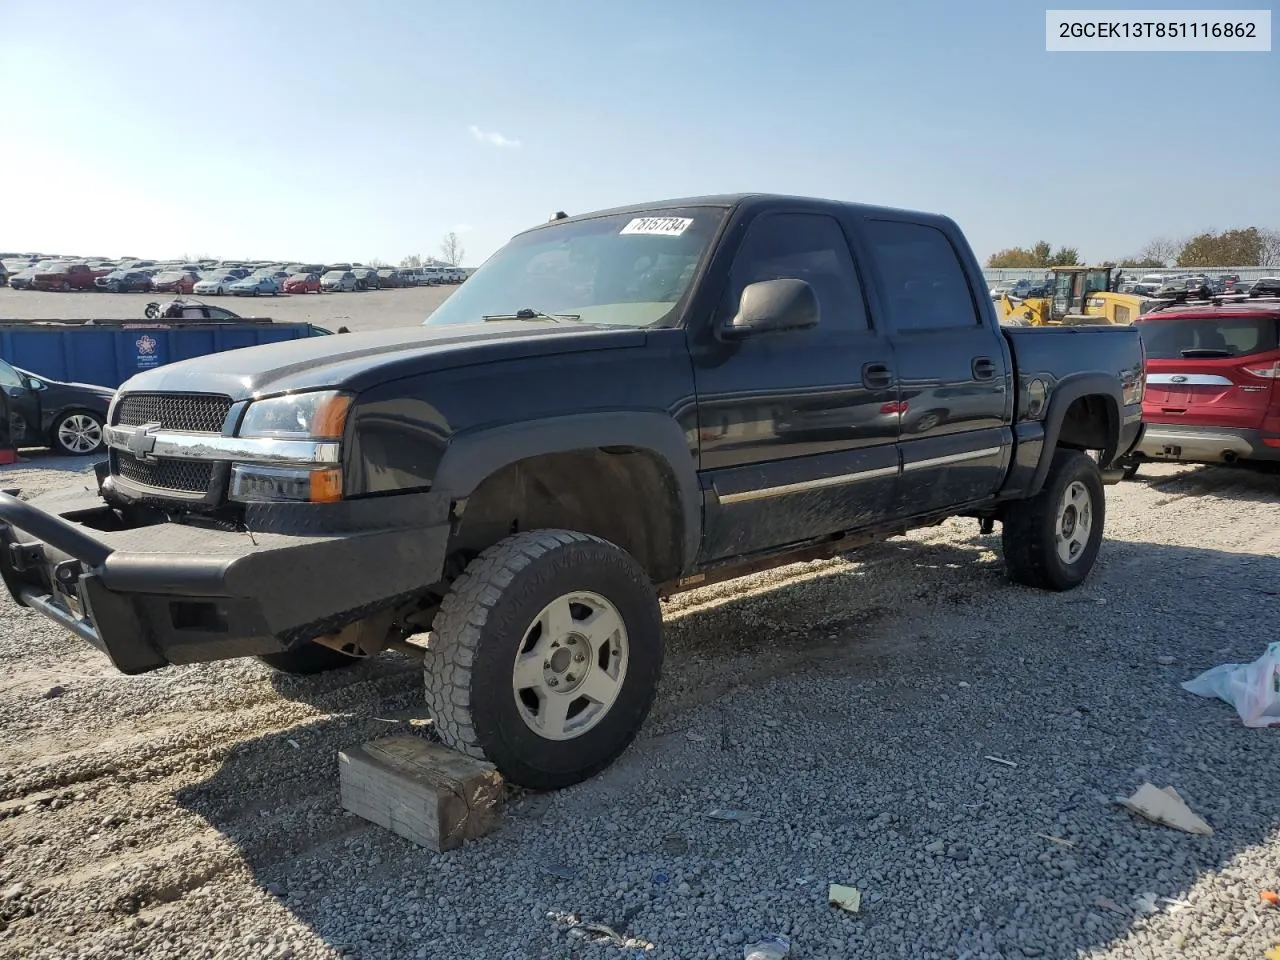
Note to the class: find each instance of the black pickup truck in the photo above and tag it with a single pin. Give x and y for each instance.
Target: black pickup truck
(615, 407)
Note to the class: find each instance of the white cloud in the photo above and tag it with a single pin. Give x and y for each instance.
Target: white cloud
(494, 138)
(462, 228)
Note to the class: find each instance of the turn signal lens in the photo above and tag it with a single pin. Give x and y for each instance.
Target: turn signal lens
(256, 483)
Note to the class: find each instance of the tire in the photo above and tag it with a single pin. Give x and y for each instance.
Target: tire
(77, 433)
(497, 608)
(1033, 549)
(308, 658)
(928, 421)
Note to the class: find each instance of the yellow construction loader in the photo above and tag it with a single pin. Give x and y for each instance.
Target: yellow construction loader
(1078, 295)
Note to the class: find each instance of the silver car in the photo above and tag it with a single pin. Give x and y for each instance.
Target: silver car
(217, 284)
(338, 281)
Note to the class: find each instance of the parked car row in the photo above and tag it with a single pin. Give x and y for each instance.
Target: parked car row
(1150, 285)
(217, 278)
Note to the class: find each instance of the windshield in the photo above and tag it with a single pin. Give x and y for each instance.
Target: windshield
(1228, 337)
(625, 270)
(334, 275)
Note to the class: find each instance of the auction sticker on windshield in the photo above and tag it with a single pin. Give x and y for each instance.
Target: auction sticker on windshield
(658, 226)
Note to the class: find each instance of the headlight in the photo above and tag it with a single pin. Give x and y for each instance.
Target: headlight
(318, 415)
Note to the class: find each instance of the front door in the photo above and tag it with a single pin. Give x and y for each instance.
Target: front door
(955, 380)
(23, 407)
(798, 429)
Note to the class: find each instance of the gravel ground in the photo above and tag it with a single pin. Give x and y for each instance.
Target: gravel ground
(849, 705)
(371, 310)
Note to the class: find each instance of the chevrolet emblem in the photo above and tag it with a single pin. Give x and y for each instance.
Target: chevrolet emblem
(143, 440)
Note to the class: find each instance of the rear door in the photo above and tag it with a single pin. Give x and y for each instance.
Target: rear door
(954, 375)
(1213, 369)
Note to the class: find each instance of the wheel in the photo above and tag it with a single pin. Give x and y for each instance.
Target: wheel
(257, 292)
(308, 658)
(1051, 540)
(66, 287)
(544, 657)
(78, 433)
(928, 421)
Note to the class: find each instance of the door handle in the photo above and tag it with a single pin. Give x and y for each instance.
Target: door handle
(983, 368)
(876, 375)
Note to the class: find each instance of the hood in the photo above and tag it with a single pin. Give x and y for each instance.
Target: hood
(75, 384)
(356, 361)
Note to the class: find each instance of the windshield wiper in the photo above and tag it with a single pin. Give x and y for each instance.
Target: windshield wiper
(1206, 352)
(529, 313)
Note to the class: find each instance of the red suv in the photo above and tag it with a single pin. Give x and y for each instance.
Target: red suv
(1213, 382)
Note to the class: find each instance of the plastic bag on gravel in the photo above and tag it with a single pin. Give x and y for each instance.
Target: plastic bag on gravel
(1252, 688)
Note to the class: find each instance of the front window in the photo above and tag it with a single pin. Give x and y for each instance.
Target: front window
(624, 270)
(334, 275)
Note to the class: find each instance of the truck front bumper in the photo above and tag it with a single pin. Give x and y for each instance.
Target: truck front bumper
(169, 593)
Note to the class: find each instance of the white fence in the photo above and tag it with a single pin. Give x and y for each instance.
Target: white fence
(1245, 273)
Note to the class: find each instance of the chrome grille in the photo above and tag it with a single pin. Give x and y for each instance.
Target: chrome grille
(185, 476)
(189, 412)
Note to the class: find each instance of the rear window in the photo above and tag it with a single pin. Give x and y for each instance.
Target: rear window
(1209, 337)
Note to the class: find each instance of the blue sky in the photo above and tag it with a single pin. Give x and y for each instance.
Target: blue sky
(326, 130)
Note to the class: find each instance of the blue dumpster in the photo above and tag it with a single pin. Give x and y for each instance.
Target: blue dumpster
(109, 352)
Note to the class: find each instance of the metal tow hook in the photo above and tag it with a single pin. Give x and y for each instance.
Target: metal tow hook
(67, 572)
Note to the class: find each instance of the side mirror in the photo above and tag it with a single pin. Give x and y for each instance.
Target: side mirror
(16, 392)
(770, 306)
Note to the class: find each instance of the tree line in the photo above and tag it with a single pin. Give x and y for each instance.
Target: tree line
(1246, 247)
(452, 252)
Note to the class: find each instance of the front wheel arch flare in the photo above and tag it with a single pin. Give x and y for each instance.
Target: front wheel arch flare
(470, 459)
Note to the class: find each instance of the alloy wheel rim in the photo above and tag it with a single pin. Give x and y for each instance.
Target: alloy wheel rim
(80, 433)
(571, 666)
(1074, 523)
